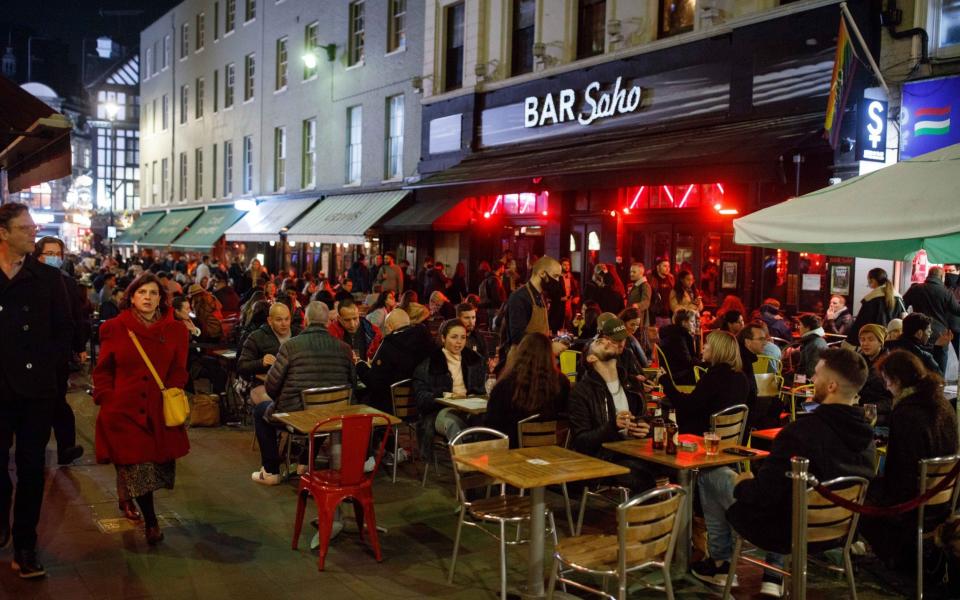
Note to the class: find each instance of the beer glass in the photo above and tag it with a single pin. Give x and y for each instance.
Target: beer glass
(711, 443)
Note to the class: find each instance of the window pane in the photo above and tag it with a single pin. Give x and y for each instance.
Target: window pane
(524, 17)
(676, 16)
(398, 25)
(453, 75)
(310, 47)
(591, 27)
(355, 54)
(281, 81)
(949, 29)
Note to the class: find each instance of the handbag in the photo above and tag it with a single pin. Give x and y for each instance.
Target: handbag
(176, 407)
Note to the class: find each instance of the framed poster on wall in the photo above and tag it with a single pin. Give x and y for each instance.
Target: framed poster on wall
(840, 279)
(728, 274)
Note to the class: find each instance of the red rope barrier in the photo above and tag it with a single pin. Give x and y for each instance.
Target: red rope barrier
(896, 509)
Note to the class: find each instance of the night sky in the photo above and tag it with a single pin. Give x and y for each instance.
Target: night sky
(67, 22)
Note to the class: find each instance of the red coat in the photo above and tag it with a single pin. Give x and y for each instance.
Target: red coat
(130, 426)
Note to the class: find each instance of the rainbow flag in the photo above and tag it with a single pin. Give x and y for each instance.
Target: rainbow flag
(844, 66)
(932, 121)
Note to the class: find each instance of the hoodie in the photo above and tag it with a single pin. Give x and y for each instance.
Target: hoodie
(837, 440)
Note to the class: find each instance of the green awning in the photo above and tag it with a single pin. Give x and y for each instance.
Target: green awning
(205, 232)
(344, 218)
(140, 227)
(170, 227)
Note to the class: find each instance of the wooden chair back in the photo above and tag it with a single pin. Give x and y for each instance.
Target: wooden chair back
(533, 433)
(338, 395)
(569, 360)
(648, 526)
(403, 400)
(465, 476)
(731, 424)
(826, 521)
(934, 470)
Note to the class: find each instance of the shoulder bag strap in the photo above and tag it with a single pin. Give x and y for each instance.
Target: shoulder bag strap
(146, 360)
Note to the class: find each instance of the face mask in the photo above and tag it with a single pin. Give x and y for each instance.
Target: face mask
(54, 261)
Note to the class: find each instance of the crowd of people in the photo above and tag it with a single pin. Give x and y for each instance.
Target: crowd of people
(492, 335)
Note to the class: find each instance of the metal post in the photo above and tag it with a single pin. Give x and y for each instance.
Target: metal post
(798, 529)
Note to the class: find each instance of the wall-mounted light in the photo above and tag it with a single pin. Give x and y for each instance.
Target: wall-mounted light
(416, 82)
(310, 58)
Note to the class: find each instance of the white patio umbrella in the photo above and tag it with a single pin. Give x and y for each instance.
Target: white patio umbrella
(890, 214)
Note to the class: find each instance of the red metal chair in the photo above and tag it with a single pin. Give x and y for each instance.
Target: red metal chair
(330, 487)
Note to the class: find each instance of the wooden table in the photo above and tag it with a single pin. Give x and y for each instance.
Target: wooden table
(474, 405)
(686, 464)
(303, 421)
(800, 390)
(534, 469)
(766, 434)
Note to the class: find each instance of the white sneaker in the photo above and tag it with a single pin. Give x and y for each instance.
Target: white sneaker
(369, 465)
(264, 478)
(772, 589)
(401, 457)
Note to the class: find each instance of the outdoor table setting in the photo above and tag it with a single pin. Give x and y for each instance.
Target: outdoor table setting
(303, 421)
(685, 462)
(534, 469)
(472, 405)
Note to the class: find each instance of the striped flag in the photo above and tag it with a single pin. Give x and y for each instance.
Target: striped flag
(844, 66)
(932, 121)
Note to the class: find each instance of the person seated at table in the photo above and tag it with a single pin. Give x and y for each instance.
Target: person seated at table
(344, 291)
(838, 319)
(452, 369)
(894, 329)
(386, 302)
(770, 349)
(361, 335)
(730, 321)
(676, 342)
(531, 384)
(769, 313)
(181, 313)
(291, 300)
(260, 349)
(722, 386)
(812, 345)
(874, 391)
(922, 425)
(222, 291)
(208, 311)
(441, 307)
(110, 307)
(633, 359)
(467, 314)
(605, 406)
(915, 338)
(312, 359)
(837, 440)
(403, 348)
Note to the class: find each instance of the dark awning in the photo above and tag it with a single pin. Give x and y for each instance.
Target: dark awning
(741, 151)
(448, 214)
(34, 139)
(205, 232)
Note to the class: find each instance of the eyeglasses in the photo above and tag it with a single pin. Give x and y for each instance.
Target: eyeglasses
(24, 228)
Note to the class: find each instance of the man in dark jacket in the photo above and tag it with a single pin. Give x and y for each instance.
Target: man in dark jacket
(526, 310)
(677, 345)
(36, 330)
(467, 314)
(604, 407)
(49, 250)
(260, 349)
(770, 314)
(228, 297)
(403, 348)
(661, 283)
(359, 274)
(933, 299)
(836, 439)
(915, 339)
(491, 291)
(361, 335)
(951, 279)
(312, 359)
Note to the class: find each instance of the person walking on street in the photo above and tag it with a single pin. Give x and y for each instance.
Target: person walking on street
(131, 431)
(49, 250)
(933, 299)
(36, 329)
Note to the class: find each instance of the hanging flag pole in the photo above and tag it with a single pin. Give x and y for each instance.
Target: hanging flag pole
(863, 45)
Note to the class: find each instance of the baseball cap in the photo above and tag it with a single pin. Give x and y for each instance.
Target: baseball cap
(614, 329)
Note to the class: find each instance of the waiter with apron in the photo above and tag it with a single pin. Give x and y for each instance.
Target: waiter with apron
(526, 309)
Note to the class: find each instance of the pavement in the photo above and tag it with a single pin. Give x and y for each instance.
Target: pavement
(227, 537)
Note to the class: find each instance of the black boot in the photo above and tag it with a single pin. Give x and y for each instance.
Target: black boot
(69, 454)
(25, 561)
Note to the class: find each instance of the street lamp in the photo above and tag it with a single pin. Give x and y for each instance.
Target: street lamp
(310, 60)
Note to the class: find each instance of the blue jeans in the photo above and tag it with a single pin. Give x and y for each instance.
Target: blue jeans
(449, 422)
(716, 496)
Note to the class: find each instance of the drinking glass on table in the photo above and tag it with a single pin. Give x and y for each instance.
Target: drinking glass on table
(870, 413)
(711, 443)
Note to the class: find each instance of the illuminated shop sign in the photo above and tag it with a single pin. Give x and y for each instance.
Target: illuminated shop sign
(872, 131)
(597, 104)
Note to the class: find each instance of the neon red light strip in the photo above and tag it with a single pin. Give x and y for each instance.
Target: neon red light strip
(637, 197)
(669, 195)
(686, 195)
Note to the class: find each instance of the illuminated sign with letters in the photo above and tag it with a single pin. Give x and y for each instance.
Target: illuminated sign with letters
(872, 130)
(597, 104)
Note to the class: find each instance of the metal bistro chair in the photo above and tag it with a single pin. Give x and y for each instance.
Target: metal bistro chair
(731, 424)
(647, 527)
(763, 364)
(333, 396)
(827, 525)
(405, 409)
(686, 389)
(932, 471)
(803, 391)
(501, 509)
(569, 360)
(532, 433)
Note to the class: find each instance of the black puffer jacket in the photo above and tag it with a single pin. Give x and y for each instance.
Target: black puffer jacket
(593, 416)
(873, 309)
(919, 350)
(719, 388)
(397, 357)
(432, 378)
(677, 346)
(259, 343)
(312, 359)
(933, 299)
(836, 439)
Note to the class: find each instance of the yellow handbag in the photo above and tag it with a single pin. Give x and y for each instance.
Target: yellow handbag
(176, 408)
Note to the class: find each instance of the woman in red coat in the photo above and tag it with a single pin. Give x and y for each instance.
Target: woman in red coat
(131, 432)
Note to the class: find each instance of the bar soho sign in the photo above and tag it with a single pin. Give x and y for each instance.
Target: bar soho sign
(596, 104)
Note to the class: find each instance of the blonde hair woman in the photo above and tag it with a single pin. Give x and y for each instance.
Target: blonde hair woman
(722, 386)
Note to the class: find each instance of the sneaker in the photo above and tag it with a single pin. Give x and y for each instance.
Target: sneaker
(369, 465)
(25, 561)
(68, 455)
(771, 586)
(709, 572)
(264, 478)
(401, 457)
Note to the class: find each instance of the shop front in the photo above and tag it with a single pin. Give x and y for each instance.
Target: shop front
(649, 156)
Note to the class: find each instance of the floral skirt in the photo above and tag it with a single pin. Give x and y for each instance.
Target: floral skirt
(137, 480)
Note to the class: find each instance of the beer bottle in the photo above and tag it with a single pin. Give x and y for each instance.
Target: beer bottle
(671, 428)
(659, 429)
(672, 416)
